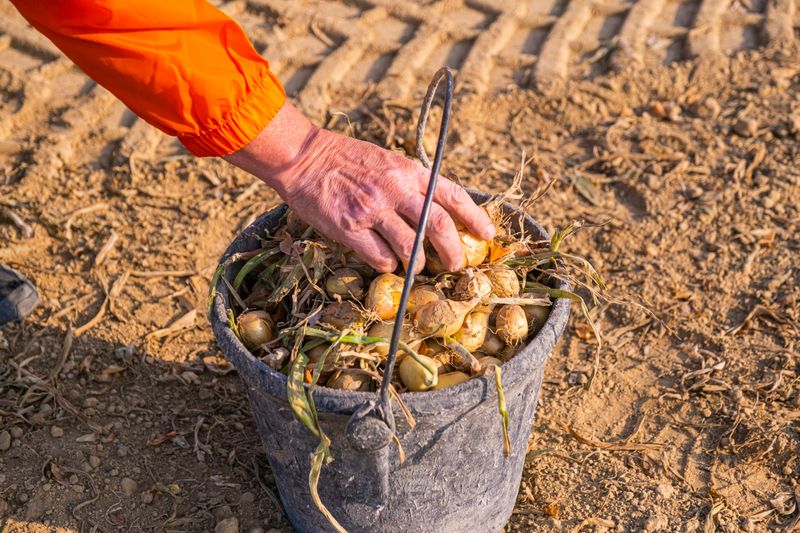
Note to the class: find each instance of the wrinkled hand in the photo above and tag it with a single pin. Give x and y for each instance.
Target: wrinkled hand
(359, 194)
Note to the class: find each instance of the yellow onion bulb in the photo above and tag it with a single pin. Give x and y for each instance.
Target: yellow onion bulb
(385, 329)
(472, 284)
(416, 377)
(350, 380)
(383, 297)
(255, 328)
(511, 325)
(442, 318)
(421, 295)
(487, 361)
(346, 283)
(492, 344)
(505, 283)
(451, 379)
(475, 249)
(342, 315)
(473, 332)
(536, 316)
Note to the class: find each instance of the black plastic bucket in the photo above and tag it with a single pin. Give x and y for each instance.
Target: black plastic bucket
(455, 477)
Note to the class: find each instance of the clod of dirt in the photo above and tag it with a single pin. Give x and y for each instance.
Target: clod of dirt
(56, 432)
(16, 432)
(5, 441)
(746, 128)
(247, 498)
(656, 522)
(229, 525)
(147, 497)
(665, 490)
(94, 461)
(128, 486)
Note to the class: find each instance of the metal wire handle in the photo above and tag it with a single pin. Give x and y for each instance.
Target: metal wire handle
(443, 73)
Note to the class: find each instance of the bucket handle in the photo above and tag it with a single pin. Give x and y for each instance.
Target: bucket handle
(368, 432)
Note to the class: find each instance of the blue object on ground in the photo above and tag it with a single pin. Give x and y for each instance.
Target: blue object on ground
(18, 296)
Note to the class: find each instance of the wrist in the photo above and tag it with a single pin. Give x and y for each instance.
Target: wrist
(278, 150)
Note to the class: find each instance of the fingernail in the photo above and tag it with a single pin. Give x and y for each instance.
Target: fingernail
(490, 231)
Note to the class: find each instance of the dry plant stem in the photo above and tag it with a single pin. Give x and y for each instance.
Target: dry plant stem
(16, 220)
(501, 406)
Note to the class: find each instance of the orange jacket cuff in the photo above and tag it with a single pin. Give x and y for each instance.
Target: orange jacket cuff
(243, 123)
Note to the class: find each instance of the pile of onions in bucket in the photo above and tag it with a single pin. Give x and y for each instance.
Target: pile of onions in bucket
(303, 296)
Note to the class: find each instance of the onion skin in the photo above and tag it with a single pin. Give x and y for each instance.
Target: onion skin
(342, 315)
(345, 282)
(421, 295)
(451, 379)
(255, 328)
(510, 324)
(416, 377)
(383, 297)
(505, 283)
(442, 318)
(475, 249)
(315, 353)
(355, 381)
(472, 284)
(473, 331)
(384, 329)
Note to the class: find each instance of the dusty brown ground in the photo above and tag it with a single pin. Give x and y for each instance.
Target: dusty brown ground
(691, 421)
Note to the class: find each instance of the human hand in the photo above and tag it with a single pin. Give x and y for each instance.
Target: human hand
(358, 194)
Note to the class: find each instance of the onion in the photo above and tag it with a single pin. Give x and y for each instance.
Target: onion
(315, 353)
(342, 315)
(442, 318)
(510, 324)
(384, 329)
(345, 282)
(475, 249)
(473, 332)
(421, 295)
(536, 316)
(350, 380)
(505, 283)
(451, 379)
(431, 348)
(472, 284)
(487, 361)
(383, 296)
(255, 328)
(492, 345)
(416, 377)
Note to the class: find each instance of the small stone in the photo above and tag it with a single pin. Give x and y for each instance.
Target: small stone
(746, 128)
(128, 486)
(94, 461)
(56, 432)
(73, 479)
(228, 525)
(22, 497)
(787, 470)
(89, 437)
(657, 110)
(665, 491)
(122, 451)
(5, 440)
(16, 432)
(656, 522)
(247, 498)
(710, 108)
(222, 512)
(147, 497)
(256, 529)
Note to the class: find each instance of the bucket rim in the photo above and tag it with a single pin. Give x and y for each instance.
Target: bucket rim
(463, 395)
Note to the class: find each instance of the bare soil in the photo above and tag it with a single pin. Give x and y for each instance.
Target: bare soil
(677, 143)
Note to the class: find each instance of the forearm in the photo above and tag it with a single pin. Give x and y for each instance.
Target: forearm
(184, 67)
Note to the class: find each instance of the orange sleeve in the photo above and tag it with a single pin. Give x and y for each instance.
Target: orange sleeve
(184, 67)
